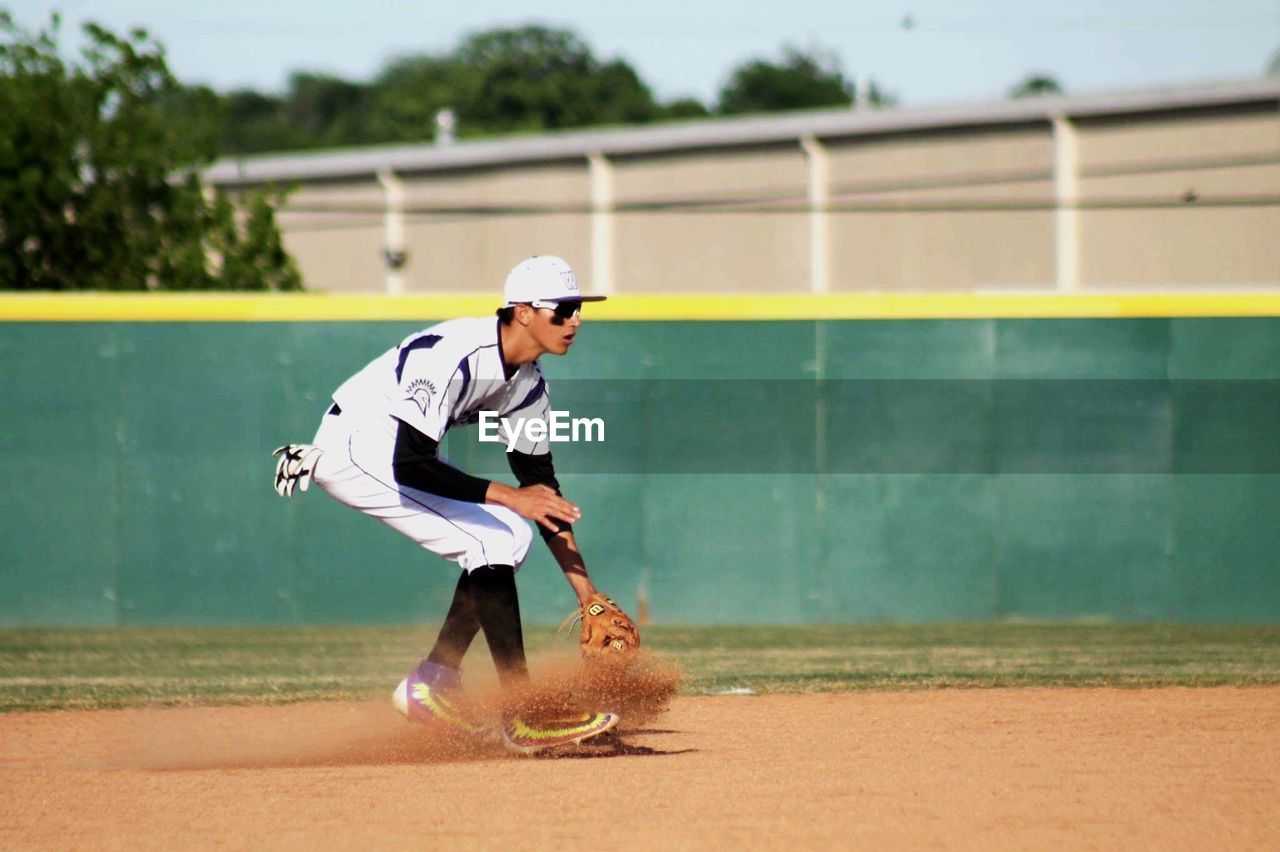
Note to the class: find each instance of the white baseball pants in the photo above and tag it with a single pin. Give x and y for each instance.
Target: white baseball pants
(356, 470)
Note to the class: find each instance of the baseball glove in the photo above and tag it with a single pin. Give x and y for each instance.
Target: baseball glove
(607, 632)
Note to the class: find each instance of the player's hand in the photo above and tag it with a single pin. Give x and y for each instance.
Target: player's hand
(295, 468)
(542, 504)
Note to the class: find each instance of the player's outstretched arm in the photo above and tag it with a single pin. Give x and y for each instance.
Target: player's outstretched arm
(564, 547)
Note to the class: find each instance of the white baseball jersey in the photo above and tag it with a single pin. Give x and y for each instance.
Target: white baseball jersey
(437, 378)
(442, 377)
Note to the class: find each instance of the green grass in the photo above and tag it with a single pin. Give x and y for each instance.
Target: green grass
(45, 669)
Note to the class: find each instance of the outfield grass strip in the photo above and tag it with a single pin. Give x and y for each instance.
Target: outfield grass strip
(53, 669)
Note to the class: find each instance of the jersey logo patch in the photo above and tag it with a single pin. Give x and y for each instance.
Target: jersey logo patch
(421, 391)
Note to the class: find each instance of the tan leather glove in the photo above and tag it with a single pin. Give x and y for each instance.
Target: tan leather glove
(607, 632)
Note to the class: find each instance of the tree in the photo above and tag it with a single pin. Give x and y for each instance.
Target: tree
(326, 110)
(538, 78)
(684, 108)
(253, 122)
(1035, 85)
(408, 93)
(800, 81)
(620, 96)
(90, 151)
(496, 81)
(317, 111)
(199, 110)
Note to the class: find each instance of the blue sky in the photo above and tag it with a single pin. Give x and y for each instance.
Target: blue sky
(953, 50)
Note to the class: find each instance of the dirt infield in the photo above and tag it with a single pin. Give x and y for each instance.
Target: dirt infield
(1184, 768)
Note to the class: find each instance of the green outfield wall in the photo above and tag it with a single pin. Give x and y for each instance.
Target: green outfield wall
(135, 457)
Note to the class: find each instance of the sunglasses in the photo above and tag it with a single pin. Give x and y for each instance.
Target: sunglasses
(563, 310)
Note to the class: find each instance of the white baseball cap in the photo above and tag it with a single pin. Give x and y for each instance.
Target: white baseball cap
(543, 278)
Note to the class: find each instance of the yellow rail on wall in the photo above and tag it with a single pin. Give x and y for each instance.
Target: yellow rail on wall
(272, 307)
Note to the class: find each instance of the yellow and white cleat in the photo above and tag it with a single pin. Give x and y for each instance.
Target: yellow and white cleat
(523, 737)
(427, 696)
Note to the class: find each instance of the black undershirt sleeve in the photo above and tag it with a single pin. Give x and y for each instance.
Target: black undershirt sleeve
(416, 463)
(537, 470)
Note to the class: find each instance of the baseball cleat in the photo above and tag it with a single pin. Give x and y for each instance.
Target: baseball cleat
(529, 738)
(428, 695)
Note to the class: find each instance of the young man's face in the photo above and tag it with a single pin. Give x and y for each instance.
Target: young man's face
(554, 329)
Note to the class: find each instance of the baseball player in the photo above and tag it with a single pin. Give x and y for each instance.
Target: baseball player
(377, 450)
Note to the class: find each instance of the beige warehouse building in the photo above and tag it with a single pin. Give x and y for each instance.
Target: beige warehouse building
(1141, 190)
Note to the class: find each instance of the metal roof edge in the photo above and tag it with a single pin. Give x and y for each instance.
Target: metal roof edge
(725, 132)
